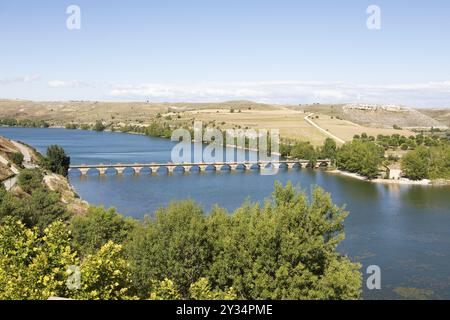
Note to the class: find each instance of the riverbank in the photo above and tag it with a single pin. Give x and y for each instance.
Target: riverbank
(402, 181)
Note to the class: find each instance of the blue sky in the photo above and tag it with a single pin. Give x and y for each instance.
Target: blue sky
(278, 51)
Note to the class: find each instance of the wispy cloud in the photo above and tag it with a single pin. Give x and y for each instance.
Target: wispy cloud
(67, 84)
(415, 94)
(20, 79)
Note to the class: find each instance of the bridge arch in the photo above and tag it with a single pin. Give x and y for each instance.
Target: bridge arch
(145, 171)
(162, 170)
(225, 168)
(194, 169)
(283, 166)
(324, 164)
(210, 168)
(76, 172)
(179, 169)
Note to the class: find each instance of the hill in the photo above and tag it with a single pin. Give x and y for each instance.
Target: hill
(441, 115)
(343, 121)
(381, 116)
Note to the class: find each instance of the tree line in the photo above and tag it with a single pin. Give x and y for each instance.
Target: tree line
(10, 122)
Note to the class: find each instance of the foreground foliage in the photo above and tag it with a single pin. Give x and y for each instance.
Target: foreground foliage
(285, 249)
(37, 267)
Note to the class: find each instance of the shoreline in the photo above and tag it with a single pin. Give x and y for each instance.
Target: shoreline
(402, 181)
(143, 134)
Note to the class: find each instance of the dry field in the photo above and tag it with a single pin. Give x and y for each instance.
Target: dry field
(291, 123)
(346, 129)
(289, 119)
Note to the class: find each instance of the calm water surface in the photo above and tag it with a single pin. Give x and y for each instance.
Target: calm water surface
(403, 229)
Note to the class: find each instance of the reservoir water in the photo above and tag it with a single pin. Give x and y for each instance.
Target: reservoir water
(405, 230)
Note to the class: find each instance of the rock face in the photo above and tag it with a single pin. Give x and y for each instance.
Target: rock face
(386, 116)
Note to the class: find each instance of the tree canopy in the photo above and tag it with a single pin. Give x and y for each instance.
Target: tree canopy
(283, 250)
(362, 157)
(56, 160)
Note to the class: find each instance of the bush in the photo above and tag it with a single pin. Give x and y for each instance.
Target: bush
(91, 231)
(35, 265)
(30, 180)
(99, 126)
(71, 126)
(16, 158)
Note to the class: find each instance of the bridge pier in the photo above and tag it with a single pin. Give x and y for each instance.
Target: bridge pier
(170, 169)
(292, 165)
(153, 169)
(84, 171)
(120, 170)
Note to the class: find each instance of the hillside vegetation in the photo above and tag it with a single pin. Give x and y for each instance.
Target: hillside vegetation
(340, 120)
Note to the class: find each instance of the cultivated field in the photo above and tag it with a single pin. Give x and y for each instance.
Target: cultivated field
(340, 120)
(345, 129)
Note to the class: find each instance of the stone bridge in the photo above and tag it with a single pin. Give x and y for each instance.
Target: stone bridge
(188, 167)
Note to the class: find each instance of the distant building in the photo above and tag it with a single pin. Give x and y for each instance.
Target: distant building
(395, 172)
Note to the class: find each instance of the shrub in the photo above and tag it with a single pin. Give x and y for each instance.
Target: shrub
(16, 158)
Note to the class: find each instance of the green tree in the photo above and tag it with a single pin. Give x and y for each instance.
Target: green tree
(329, 149)
(362, 157)
(164, 290)
(56, 160)
(39, 209)
(30, 180)
(201, 290)
(105, 275)
(34, 267)
(415, 164)
(16, 158)
(285, 149)
(43, 208)
(304, 151)
(439, 167)
(99, 126)
(91, 231)
(284, 250)
(173, 246)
